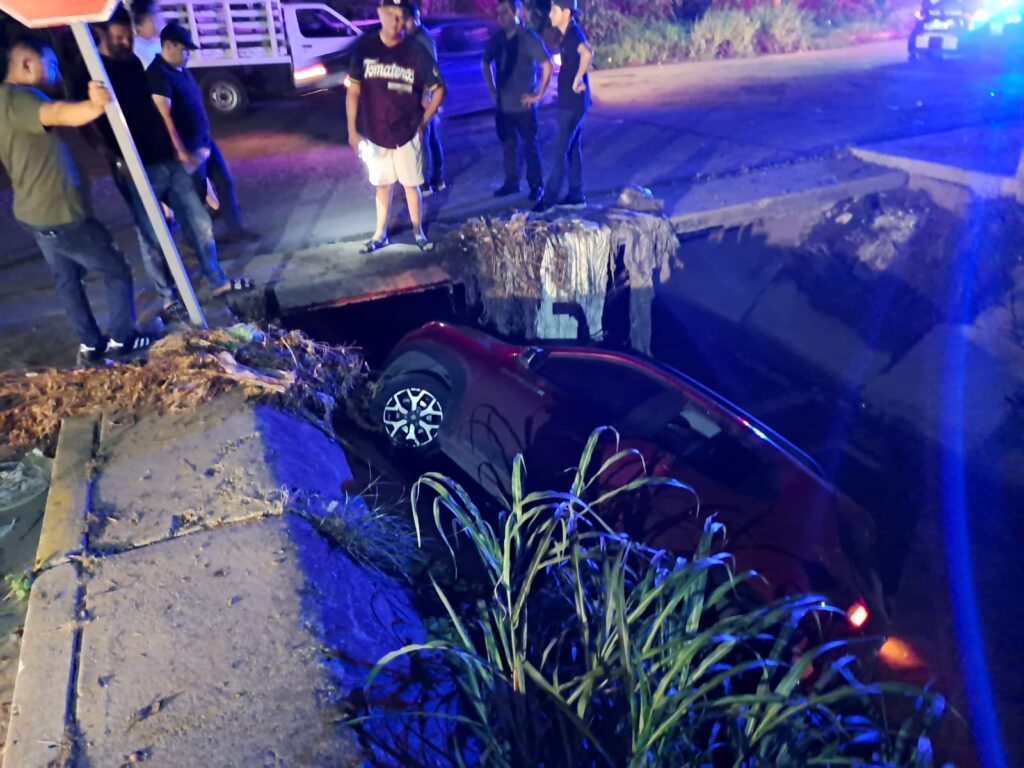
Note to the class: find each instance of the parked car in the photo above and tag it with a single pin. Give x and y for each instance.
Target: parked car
(967, 28)
(480, 401)
(461, 41)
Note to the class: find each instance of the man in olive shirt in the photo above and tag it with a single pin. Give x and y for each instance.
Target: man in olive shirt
(513, 59)
(51, 198)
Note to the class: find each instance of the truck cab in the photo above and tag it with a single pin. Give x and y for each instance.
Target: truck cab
(262, 49)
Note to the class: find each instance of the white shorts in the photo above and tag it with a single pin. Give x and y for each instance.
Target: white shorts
(386, 166)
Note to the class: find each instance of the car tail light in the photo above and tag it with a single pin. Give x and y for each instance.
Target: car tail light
(306, 74)
(857, 614)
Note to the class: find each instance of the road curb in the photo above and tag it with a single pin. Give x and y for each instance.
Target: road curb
(986, 185)
(64, 521)
(41, 712)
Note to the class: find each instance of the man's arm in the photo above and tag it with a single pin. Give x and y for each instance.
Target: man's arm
(75, 114)
(352, 110)
(163, 106)
(586, 56)
(436, 99)
(545, 79)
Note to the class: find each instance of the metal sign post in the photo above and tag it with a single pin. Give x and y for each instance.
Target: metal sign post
(131, 157)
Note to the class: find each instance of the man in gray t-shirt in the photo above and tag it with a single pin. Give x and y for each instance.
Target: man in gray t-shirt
(517, 69)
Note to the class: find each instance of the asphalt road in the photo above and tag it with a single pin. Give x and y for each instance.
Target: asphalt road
(301, 185)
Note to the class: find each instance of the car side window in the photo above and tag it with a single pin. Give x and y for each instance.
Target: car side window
(610, 389)
(316, 22)
(712, 444)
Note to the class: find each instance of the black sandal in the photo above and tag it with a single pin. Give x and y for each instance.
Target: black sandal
(372, 245)
(236, 285)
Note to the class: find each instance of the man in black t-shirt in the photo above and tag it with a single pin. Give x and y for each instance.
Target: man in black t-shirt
(169, 179)
(433, 152)
(389, 75)
(573, 103)
(512, 61)
(180, 101)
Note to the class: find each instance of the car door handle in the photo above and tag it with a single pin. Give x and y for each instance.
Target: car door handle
(307, 46)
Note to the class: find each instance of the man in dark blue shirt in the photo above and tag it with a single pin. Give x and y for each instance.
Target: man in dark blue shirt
(433, 152)
(513, 59)
(573, 103)
(180, 101)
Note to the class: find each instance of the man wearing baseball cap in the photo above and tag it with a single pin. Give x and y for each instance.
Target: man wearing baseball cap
(180, 100)
(573, 103)
(389, 75)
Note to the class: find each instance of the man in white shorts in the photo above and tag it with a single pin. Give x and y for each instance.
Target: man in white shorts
(389, 75)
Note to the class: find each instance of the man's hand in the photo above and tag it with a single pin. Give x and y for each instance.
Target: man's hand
(530, 99)
(99, 96)
(578, 85)
(354, 140)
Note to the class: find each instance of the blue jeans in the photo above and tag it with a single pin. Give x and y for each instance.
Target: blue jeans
(70, 251)
(173, 185)
(515, 129)
(216, 169)
(433, 153)
(568, 152)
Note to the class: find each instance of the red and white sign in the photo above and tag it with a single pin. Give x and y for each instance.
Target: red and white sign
(54, 13)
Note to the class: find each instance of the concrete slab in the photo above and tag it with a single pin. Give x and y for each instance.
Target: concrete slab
(946, 384)
(987, 150)
(213, 627)
(792, 189)
(64, 523)
(160, 474)
(41, 710)
(986, 185)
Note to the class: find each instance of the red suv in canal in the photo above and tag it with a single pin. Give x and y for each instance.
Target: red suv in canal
(480, 401)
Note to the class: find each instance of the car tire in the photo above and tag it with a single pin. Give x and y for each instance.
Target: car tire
(225, 96)
(411, 410)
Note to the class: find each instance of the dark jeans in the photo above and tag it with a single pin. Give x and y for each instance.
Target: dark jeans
(216, 169)
(433, 154)
(172, 184)
(70, 251)
(515, 129)
(568, 152)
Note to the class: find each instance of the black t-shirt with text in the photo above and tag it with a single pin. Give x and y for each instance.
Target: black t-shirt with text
(131, 87)
(188, 112)
(392, 82)
(570, 51)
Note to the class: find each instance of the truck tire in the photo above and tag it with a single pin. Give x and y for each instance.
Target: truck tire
(225, 96)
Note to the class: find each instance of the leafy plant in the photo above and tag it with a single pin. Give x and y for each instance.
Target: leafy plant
(590, 649)
(19, 585)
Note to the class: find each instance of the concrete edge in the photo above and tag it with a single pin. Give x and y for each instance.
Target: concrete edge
(987, 185)
(777, 206)
(38, 735)
(64, 520)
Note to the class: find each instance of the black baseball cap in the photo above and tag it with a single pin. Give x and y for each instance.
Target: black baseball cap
(175, 33)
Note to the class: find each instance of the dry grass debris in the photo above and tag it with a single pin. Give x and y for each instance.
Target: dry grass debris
(183, 371)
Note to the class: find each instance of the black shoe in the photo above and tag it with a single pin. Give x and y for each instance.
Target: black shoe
(543, 206)
(137, 344)
(536, 194)
(92, 357)
(426, 190)
(573, 202)
(438, 186)
(506, 189)
(174, 312)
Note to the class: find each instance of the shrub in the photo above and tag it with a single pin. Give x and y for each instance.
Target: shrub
(642, 43)
(723, 35)
(589, 649)
(782, 28)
